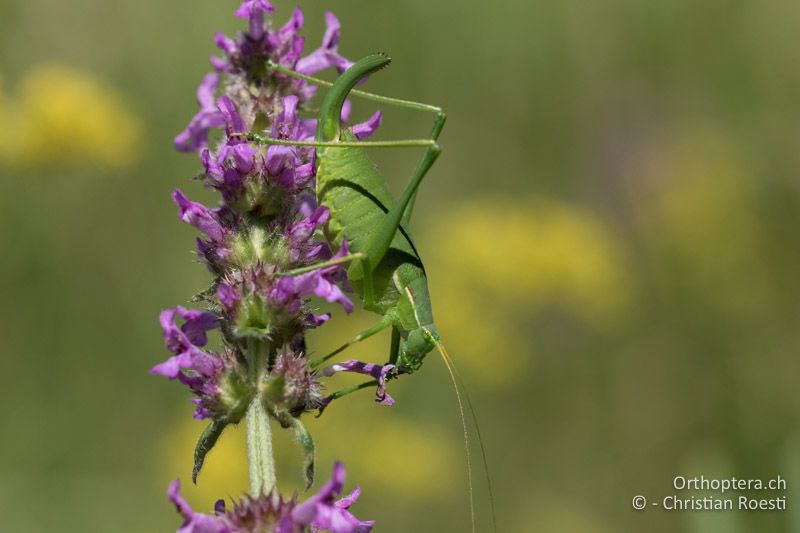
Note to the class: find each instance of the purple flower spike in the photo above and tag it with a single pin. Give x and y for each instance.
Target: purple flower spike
(195, 136)
(199, 216)
(367, 128)
(382, 373)
(268, 225)
(327, 55)
(322, 513)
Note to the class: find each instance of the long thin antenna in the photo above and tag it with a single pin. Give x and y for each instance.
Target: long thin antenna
(458, 382)
(450, 369)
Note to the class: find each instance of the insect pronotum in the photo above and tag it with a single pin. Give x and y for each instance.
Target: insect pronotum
(385, 267)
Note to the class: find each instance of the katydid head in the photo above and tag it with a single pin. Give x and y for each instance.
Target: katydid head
(417, 345)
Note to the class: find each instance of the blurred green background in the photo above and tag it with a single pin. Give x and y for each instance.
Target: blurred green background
(611, 238)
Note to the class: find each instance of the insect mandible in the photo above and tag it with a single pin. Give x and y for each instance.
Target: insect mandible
(385, 267)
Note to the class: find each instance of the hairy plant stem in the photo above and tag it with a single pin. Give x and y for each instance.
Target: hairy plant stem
(261, 464)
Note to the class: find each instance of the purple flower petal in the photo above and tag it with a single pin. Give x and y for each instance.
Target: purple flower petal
(199, 216)
(195, 136)
(228, 296)
(233, 120)
(254, 10)
(303, 172)
(347, 108)
(171, 368)
(195, 522)
(293, 25)
(349, 500)
(205, 92)
(219, 64)
(213, 169)
(242, 156)
(368, 127)
(327, 55)
(219, 507)
(314, 320)
(184, 342)
(249, 7)
(322, 513)
(286, 125)
(204, 370)
(174, 494)
(197, 324)
(286, 45)
(317, 284)
(301, 232)
(225, 43)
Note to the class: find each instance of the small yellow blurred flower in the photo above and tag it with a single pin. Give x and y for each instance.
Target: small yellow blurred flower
(64, 117)
(497, 261)
(535, 252)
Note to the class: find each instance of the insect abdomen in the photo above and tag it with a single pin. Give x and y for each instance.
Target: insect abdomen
(357, 196)
(349, 185)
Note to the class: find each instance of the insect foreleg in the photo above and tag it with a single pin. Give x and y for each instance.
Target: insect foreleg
(405, 143)
(338, 261)
(369, 290)
(344, 392)
(384, 323)
(394, 349)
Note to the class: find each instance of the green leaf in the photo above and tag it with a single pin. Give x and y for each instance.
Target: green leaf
(304, 438)
(206, 441)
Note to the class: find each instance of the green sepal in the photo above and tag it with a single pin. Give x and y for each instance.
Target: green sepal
(274, 391)
(206, 441)
(307, 442)
(254, 319)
